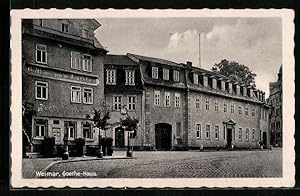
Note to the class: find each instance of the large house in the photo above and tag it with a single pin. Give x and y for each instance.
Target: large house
(62, 77)
(275, 100)
(181, 106)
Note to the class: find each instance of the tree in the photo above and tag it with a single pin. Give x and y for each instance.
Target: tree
(130, 124)
(101, 117)
(28, 111)
(235, 71)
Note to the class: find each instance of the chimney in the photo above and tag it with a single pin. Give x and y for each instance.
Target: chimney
(189, 63)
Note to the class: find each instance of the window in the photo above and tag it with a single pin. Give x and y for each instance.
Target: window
(272, 126)
(166, 74)
(253, 134)
(238, 90)
(155, 72)
(277, 111)
(86, 63)
(223, 85)
(246, 111)
(207, 133)
(129, 75)
(247, 134)
(41, 53)
(214, 83)
(197, 102)
(84, 33)
(230, 87)
(217, 132)
(195, 77)
(75, 94)
(87, 131)
(205, 81)
(178, 129)
(207, 103)
(177, 100)
(253, 112)
(278, 125)
(176, 76)
(198, 131)
(157, 98)
(131, 100)
(240, 133)
(117, 101)
(232, 108)
(41, 90)
(224, 132)
(75, 60)
(240, 110)
(111, 76)
(216, 106)
(56, 122)
(167, 99)
(71, 129)
(65, 27)
(88, 95)
(225, 106)
(40, 127)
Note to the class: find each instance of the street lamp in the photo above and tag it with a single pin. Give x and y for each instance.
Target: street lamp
(124, 112)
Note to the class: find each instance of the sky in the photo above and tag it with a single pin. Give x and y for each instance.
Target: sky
(255, 42)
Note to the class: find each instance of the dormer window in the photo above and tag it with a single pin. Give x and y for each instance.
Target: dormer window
(176, 76)
(84, 33)
(205, 81)
(223, 85)
(244, 91)
(155, 72)
(230, 87)
(65, 27)
(195, 78)
(129, 77)
(111, 76)
(214, 83)
(238, 90)
(166, 74)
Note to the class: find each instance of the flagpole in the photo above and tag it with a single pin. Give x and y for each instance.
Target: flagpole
(199, 50)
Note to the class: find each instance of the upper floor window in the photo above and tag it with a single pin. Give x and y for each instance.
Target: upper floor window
(246, 111)
(75, 60)
(129, 77)
(65, 27)
(198, 131)
(253, 112)
(232, 108)
(111, 76)
(41, 90)
(176, 75)
(41, 53)
(157, 98)
(87, 62)
(167, 99)
(155, 72)
(207, 103)
(216, 106)
(177, 100)
(84, 33)
(166, 74)
(75, 94)
(117, 101)
(131, 101)
(225, 106)
(197, 102)
(88, 95)
(195, 77)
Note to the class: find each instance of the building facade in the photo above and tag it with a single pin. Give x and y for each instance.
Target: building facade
(62, 77)
(275, 100)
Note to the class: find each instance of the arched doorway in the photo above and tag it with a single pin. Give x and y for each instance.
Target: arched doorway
(119, 137)
(163, 136)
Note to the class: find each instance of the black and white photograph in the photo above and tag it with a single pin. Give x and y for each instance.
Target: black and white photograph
(156, 98)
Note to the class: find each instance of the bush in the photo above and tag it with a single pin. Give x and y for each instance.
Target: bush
(79, 143)
(47, 148)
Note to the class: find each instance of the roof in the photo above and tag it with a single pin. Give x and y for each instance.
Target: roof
(118, 60)
(154, 60)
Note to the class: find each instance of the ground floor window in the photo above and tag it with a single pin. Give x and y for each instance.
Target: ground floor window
(198, 131)
(217, 132)
(240, 133)
(247, 134)
(207, 133)
(40, 127)
(253, 134)
(70, 129)
(87, 131)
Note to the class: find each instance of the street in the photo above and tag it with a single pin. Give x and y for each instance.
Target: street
(183, 164)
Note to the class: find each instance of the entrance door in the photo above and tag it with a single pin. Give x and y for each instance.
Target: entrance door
(265, 139)
(119, 137)
(229, 137)
(163, 136)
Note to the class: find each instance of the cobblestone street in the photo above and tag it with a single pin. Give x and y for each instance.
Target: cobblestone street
(183, 164)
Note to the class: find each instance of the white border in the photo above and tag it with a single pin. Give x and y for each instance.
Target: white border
(288, 29)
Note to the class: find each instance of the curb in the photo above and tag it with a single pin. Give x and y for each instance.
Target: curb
(78, 160)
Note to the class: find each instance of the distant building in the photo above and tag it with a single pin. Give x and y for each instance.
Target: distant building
(275, 100)
(181, 106)
(62, 77)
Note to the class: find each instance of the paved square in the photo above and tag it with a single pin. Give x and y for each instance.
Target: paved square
(184, 164)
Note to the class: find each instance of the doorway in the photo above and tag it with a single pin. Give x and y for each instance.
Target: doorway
(119, 137)
(163, 136)
(229, 137)
(265, 139)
